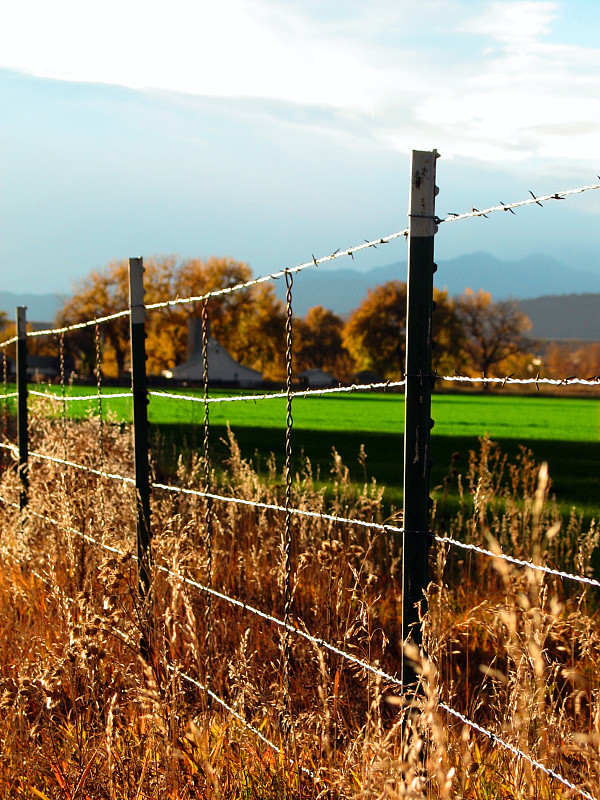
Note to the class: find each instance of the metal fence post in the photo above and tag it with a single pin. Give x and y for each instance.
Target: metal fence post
(417, 414)
(140, 425)
(22, 425)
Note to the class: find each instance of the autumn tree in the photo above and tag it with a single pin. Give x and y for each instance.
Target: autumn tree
(375, 334)
(493, 332)
(318, 343)
(248, 322)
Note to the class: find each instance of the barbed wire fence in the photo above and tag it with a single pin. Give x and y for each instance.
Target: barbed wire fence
(289, 626)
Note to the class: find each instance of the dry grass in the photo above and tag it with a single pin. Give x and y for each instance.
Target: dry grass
(84, 716)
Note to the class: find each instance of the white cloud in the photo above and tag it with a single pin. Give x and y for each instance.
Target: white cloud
(513, 23)
(487, 85)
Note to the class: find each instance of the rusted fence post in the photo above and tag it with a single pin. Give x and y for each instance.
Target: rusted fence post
(417, 415)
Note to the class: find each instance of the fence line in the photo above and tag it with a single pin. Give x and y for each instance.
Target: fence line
(314, 262)
(383, 386)
(288, 510)
(378, 526)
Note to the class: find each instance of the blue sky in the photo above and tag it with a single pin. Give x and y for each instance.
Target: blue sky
(269, 130)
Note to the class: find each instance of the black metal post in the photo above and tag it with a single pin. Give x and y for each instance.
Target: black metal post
(140, 424)
(22, 425)
(417, 419)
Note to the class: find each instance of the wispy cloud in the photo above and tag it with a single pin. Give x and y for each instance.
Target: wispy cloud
(486, 85)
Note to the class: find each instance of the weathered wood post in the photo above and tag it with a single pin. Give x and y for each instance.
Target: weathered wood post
(22, 423)
(417, 414)
(140, 435)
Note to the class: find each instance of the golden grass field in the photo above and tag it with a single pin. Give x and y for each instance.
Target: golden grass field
(84, 715)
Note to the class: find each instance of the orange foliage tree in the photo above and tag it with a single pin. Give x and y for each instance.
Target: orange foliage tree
(375, 333)
(493, 333)
(318, 343)
(248, 322)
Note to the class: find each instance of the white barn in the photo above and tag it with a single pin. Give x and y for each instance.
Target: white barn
(222, 368)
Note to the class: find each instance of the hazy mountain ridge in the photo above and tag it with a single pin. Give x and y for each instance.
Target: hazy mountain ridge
(566, 316)
(533, 276)
(562, 303)
(40, 307)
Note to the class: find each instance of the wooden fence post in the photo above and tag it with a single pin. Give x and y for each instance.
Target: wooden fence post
(417, 414)
(140, 431)
(22, 423)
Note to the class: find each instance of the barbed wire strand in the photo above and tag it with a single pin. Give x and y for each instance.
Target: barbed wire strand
(315, 640)
(313, 514)
(315, 262)
(282, 395)
(394, 680)
(518, 561)
(79, 325)
(90, 398)
(4, 344)
(208, 501)
(332, 390)
(475, 212)
(286, 543)
(509, 379)
(515, 750)
(239, 717)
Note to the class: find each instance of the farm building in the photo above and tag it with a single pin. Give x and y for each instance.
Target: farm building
(222, 368)
(317, 378)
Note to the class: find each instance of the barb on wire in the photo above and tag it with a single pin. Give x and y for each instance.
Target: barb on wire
(475, 212)
(515, 750)
(314, 262)
(570, 381)
(519, 562)
(355, 387)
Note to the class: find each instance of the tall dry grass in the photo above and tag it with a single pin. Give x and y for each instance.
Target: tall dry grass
(85, 716)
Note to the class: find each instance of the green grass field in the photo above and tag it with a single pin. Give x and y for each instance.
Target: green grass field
(565, 431)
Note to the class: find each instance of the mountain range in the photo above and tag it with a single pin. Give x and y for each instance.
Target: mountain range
(342, 289)
(562, 302)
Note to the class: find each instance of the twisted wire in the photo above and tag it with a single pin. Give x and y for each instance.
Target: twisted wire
(61, 346)
(54, 398)
(77, 325)
(100, 419)
(515, 750)
(74, 465)
(4, 344)
(207, 488)
(5, 395)
(314, 262)
(519, 562)
(287, 627)
(355, 387)
(475, 212)
(239, 717)
(287, 533)
(509, 379)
